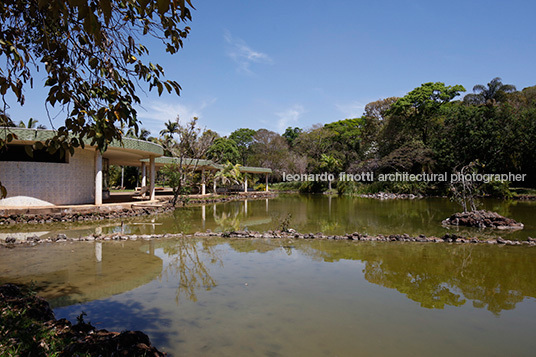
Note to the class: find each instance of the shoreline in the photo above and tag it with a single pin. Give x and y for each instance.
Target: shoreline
(31, 328)
(11, 217)
(451, 238)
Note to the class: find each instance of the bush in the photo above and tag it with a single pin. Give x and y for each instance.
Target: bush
(313, 187)
(499, 189)
(285, 186)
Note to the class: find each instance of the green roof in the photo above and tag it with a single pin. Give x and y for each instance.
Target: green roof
(24, 134)
(255, 170)
(146, 147)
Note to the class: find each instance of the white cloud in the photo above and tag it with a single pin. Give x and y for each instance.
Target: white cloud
(351, 110)
(154, 114)
(289, 117)
(242, 54)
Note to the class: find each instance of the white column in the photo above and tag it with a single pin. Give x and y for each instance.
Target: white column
(98, 177)
(203, 189)
(98, 251)
(143, 174)
(245, 184)
(215, 189)
(153, 176)
(266, 188)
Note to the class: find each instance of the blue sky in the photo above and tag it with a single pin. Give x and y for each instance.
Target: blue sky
(274, 64)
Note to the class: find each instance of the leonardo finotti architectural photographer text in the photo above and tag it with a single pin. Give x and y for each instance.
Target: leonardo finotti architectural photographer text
(405, 176)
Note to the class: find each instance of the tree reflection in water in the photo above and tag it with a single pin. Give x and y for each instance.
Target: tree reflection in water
(188, 263)
(436, 275)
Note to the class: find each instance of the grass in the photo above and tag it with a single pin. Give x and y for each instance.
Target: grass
(23, 331)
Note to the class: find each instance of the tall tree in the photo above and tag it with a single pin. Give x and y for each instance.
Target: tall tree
(243, 138)
(419, 107)
(291, 134)
(223, 150)
(494, 92)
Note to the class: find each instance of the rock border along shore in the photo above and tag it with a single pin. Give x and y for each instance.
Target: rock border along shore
(115, 212)
(290, 234)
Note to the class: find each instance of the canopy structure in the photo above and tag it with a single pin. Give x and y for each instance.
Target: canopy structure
(43, 179)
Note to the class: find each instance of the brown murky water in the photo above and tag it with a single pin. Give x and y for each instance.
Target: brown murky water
(216, 297)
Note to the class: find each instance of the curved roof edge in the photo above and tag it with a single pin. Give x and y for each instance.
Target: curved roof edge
(25, 134)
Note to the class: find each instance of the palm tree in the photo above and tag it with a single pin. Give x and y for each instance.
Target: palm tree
(495, 92)
(143, 134)
(172, 127)
(229, 174)
(330, 164)
(32, 124)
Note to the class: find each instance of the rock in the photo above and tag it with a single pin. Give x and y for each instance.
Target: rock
(482, 219)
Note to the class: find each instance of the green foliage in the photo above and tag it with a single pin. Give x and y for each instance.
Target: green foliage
(23, 329)
(92, 60)
(260, 187)
(348, 188)
(313, 187)
(285, 186)
(178, 179)
(224, 150)
(419, 107)
(499, 189)
(291, 134)
(229, 175)
(283, 222)
(495, 92)
(243, 138)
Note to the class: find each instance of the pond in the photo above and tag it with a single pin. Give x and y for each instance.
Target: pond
(306, 214)
(228, 297)
(271, 297)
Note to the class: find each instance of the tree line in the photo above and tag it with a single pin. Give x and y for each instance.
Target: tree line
(428, 130)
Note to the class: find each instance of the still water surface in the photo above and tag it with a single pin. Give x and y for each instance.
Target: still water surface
(308, 214)
(211, 296)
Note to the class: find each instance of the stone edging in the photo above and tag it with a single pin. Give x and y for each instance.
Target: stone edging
(116, 212)
(291, 234)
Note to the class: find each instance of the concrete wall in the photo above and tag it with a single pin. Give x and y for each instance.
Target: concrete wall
(59, 184)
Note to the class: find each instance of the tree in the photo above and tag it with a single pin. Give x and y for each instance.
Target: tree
(330, 164)
(270, 150)
(223, 150)
(143, 134)
(379, 108)
(190, 146)
(229, 174)
(91, 56)
(495, 92)
(419, 107)
(291, 134)
(32, 124)
(346, 141)
(463, 191)
(243, 138)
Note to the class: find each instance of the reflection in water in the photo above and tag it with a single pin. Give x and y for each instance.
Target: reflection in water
(66, 274)
(331, 215)
(435, 275)
(186, 265)
(214, 296)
